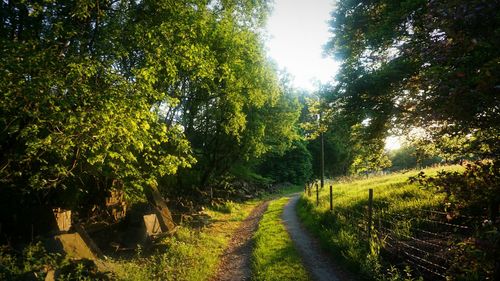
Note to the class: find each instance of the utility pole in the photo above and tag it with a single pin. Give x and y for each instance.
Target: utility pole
(322, 160)
(322, 148)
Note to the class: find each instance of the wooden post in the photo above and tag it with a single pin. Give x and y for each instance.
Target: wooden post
(317, 194)
(331, 198)
(370, 211)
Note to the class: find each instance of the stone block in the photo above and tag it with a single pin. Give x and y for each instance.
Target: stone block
(152, 225)
(63, 219)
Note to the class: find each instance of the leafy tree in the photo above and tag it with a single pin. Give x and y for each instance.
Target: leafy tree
(420, 64)
(73, 118)
(235, 110)
(294, 166)
(347, 145)
(120, 94)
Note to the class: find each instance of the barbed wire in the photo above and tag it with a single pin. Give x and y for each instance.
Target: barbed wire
(414, 238)
(427, 269)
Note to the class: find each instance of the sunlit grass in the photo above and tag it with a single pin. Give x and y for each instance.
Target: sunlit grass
(190, 254)
(343, 231)
(274, 256)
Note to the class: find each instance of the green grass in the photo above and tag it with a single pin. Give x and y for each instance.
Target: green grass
(341, 231)
(190, 254)
(274, 256)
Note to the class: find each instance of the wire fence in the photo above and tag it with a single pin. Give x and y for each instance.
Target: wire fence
(423, 240)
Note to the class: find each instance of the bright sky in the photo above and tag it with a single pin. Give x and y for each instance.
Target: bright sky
(392, 143)
(298, 29)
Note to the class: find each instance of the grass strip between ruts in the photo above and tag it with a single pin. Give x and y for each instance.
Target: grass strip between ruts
(274, 256)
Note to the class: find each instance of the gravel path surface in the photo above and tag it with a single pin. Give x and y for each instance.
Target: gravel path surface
(319, 265)
(235, 263)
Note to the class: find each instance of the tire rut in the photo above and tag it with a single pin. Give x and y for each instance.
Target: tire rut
(235, 262)
(319, 265)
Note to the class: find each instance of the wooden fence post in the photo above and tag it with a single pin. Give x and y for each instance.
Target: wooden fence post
(331, 198)
(370, 211)
(317, 194)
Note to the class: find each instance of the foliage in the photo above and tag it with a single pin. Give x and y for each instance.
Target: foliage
(348, 147)
(123, 94)
(474, 191)
(419, 64)
(35, 262)
(226, 207)
(77, 99)
(411, 157)
(274, 256)
(294, 166)
(235, 111)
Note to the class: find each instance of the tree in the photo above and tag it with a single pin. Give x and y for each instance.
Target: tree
(74, 117)
(420, 64)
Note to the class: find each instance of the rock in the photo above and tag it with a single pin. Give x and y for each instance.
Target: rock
(73, 245)
(77, 244)
(152, 225)
(63, 219)
(161, 210)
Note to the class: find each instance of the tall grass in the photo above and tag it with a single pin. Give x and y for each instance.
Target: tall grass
(344, 231)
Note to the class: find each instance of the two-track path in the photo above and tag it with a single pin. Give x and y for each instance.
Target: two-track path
(236, 260)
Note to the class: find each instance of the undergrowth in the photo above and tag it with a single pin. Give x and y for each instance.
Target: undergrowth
(190, 254)
(35, 263)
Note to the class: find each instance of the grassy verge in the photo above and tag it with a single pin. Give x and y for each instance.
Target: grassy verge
(343, 231)
(191, 254)
(274, 257)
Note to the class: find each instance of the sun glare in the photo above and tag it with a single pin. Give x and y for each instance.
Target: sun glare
(392, 143)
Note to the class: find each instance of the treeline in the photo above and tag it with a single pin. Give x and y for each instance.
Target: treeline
(174, 95)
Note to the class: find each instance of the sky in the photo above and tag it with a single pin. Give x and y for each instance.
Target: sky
(298, 30)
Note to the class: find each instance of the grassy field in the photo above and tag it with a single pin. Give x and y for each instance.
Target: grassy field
(396, 203)
(274, 256)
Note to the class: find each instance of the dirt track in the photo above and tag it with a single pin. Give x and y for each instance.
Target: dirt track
(318, 263)
(235, 263)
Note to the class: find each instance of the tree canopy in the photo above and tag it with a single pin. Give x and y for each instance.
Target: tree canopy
(123, 94)
(431, 65)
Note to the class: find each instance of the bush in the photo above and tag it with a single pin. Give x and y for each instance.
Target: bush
(475, 193)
